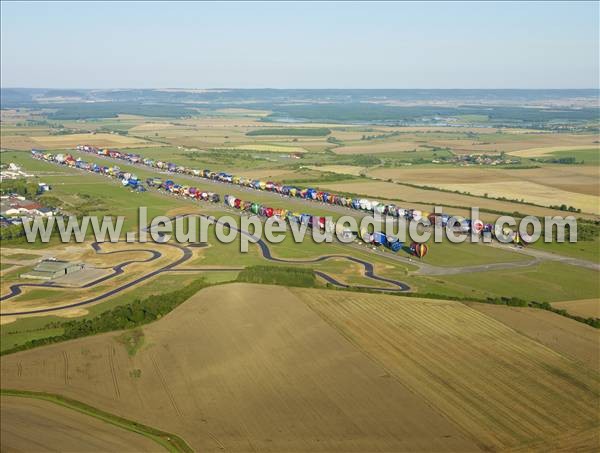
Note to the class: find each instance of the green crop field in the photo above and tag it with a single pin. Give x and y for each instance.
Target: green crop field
(545, 282)
(587, 156)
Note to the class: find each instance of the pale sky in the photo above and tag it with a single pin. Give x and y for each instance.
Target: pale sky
(300, 45)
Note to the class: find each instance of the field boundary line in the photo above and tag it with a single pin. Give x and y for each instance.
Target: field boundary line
(170, 442)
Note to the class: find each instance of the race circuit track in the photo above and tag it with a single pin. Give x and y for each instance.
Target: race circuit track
(186, 254)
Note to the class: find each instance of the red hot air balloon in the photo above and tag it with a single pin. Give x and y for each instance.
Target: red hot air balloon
(420, 250)
(478, 226)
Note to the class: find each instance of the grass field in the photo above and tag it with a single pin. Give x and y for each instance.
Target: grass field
(441, 254)
(20, 256)
(20, 142)
(186, 383)
(587, 250)
(545, 282)
(71, 185)
(471, 368)
(587, 156)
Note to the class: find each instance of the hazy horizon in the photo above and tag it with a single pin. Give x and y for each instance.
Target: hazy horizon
(173, 88)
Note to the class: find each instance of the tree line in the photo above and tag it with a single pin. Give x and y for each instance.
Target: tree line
(136, 313)
(278, 275)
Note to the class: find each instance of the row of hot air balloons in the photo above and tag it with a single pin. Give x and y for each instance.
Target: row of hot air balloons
(127, 179)
(284, 214)
(186, 191)
(362, 204)
(377, 238)
(464, 225)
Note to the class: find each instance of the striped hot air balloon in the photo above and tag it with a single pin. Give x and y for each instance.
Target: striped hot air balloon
(420, 250)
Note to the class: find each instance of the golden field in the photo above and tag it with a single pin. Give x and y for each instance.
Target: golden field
(235, 369)
(510, 142)
(426, 199)
(529, 191)
(100, 140)
(504, 389)
(30, 425)
(571, 178)
(541, 152)
(375, 148)
(269, 148)
(573, 185)
(588, 308)
(565, 336)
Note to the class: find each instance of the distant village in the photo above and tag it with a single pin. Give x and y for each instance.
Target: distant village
(14, 206)
(479, 159)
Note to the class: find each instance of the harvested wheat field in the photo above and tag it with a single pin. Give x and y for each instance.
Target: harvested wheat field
(427, 198)
(588, 308)
(506, 390)
(572, 178)
(541, 152)
(566, 336)
(267, 148)
(530, 192)
(386, 147)
(102, 140)
(31, 425)
(512, 143)
(235, 368)
(339, 169)
(20, 142)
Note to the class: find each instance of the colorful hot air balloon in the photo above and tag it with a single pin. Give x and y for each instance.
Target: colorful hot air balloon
(477, 225)
(420, 250)
(393, 243)
(379, 238)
